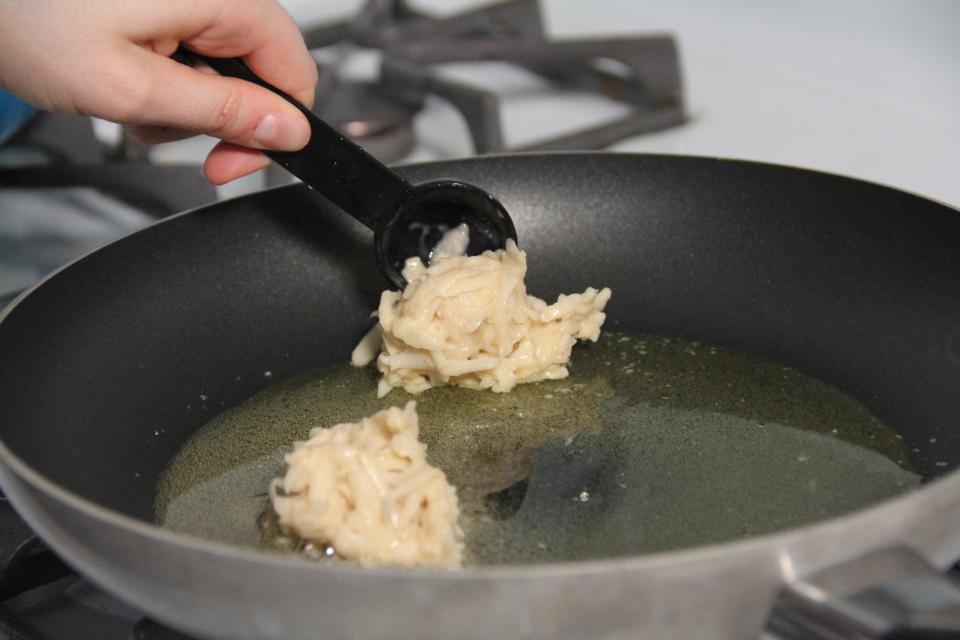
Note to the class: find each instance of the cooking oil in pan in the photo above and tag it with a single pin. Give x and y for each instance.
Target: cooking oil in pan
(651, 444)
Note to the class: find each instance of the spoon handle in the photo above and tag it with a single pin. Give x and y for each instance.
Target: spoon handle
(330, 163)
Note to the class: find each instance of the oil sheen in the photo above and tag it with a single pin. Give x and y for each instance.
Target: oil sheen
(651, 444)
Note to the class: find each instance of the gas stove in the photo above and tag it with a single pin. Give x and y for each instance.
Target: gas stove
(43, 599)
(410, 86)
(859, 90)
(862, 90)
(638, 76)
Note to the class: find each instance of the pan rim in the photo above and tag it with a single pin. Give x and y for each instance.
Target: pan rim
(772, 542)
(955, 208)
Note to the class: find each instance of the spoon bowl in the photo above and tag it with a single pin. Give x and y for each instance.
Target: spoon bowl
(417, 225)
(407, 220)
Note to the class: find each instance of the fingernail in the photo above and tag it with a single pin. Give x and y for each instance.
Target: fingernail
(281, 132)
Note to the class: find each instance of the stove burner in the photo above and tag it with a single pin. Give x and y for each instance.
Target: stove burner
(383, 127)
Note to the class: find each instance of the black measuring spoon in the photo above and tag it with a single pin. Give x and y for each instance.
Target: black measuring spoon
(407, 220)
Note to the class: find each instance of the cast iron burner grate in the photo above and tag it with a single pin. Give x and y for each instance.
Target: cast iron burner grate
(642, 73)
(41, 598)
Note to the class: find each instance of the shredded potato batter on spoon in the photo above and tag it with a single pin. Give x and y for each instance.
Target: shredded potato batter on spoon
(468, 321)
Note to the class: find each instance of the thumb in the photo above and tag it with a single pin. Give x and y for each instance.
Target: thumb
(233, 110)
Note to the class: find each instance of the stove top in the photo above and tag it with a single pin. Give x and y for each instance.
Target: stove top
(44, 599)
(474, 62)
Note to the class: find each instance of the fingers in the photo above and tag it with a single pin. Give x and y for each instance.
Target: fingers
(154, 134)
(268, 40)
(259, 31)
(180, 97)
(228, 162)
(224, 163)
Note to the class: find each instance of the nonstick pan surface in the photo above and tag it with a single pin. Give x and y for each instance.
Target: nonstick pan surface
(112, 363)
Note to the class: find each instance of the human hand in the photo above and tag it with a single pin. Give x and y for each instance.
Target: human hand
(110, 59)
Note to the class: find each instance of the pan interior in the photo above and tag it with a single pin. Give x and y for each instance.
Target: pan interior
(652, 444)
(113, 364)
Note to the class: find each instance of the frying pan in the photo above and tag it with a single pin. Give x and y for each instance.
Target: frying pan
(104, 362)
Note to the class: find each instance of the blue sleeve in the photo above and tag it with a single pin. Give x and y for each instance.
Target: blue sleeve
(14, 112)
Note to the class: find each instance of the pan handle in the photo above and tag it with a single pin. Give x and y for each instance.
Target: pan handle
(891, 594)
